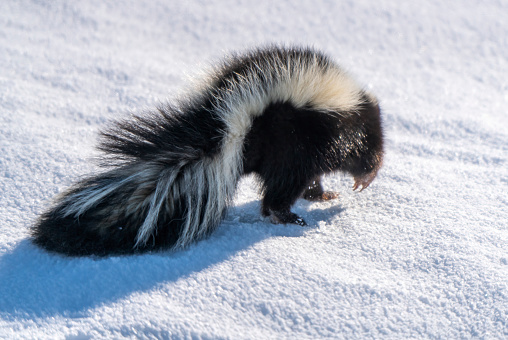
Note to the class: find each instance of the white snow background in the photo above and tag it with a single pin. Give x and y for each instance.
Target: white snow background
(422, 253)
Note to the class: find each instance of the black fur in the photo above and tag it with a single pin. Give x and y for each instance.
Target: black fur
(193, 126)
(289, 149)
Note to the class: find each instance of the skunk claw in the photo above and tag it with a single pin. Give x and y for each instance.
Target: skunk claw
(364, 181)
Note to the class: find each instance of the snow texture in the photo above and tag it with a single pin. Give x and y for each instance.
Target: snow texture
(422, 253)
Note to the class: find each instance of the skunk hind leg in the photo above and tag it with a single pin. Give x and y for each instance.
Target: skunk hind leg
(285, 217)
(278, 199)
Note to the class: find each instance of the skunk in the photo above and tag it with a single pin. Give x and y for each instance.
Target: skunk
(286, 114)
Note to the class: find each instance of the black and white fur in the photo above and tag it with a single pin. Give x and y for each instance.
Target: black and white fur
(288, 115)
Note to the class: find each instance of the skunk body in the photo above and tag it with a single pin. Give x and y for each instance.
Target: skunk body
(288, 115)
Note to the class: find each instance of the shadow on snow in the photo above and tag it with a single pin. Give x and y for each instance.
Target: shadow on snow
(36, 283)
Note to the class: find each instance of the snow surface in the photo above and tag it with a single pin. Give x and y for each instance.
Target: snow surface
(422, 253)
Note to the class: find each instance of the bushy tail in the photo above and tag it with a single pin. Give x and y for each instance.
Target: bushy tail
(138, 207)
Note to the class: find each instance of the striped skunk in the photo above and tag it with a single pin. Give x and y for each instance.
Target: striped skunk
(286, 114)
